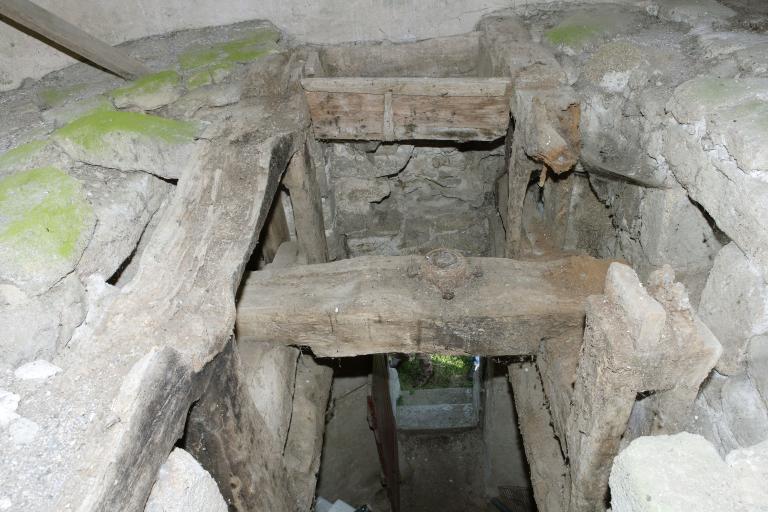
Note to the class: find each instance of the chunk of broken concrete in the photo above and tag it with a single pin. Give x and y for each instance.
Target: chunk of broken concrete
(183, 485)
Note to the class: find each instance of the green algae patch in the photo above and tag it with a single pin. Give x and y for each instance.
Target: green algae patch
(18, 155)
(44, 215)
(89, 131)
(200, 79)
(52, 96)
(149, 84)
(573, 34)
(254, 46)
(211, 74)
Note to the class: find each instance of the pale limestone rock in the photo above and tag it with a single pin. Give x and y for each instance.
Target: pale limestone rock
(183, 485)
(9, 402)
(39, 369)
(684, 472)
(22, 431)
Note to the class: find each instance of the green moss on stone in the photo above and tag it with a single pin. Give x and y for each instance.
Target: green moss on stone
(149, 84)
(199, 79)
(259, 43)
(20, 154)
(573, 34)
(52, 97)
(44, 215)
(89, 131)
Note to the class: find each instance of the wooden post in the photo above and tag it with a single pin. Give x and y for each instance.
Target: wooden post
(68, 36)
(307, 207)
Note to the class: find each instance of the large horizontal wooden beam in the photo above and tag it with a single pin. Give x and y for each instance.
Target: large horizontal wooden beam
(371, 305)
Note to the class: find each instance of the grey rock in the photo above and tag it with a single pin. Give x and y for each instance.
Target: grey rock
(730, 413)
(694, 12)
(684, 472)
(38, 326)
(734, 305)
(123, 204)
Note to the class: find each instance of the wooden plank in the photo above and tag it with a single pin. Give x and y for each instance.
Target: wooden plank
(459, 109)
(350, 116)
(230, 438)
(307, 207)
(387, 304)
(63, 33)
(382, 421)
(460, 118)
(549, 474)
(473, 87)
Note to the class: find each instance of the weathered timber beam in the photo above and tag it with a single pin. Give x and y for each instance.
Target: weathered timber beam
(546, 138)
(307, 207)
(68, 36)
(395, 304)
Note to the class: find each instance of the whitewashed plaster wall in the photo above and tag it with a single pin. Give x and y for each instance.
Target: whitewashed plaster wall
(318, 21)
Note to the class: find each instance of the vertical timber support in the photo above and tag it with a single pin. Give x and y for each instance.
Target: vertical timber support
(545, 138)
(307, 207)
(635, 344)
(229, 437)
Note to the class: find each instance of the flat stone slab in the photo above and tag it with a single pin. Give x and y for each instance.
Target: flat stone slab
(436, 417)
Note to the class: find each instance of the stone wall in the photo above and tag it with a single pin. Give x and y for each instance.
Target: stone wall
(674, 160)
(394, 199)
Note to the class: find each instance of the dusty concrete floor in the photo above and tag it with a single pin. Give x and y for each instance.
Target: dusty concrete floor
(349, 468)
(442, 471)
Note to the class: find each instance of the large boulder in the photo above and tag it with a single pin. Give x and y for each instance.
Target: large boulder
(684, 472)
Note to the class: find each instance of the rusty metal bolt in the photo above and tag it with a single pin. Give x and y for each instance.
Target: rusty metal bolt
(446, 269)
